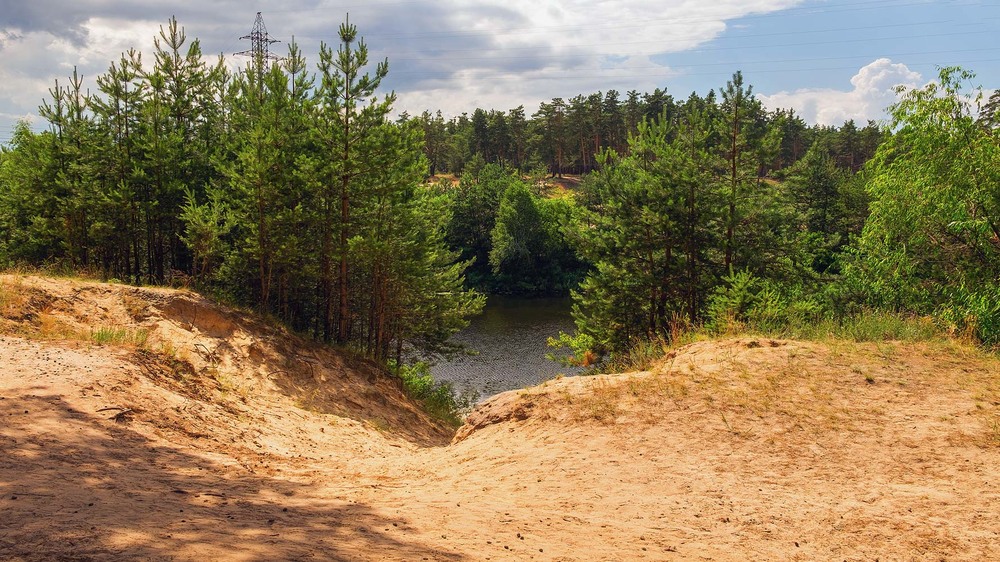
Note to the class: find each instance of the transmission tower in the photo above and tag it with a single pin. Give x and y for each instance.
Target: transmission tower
(260, 46)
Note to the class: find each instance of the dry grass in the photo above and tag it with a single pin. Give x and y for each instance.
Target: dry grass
(51, 326)
(632, 398)
(758, 386)
(27, 312)
(603, 403)
(137, 308)
(13, 297)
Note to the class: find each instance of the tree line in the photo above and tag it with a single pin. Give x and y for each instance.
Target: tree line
(495, 150)
(295, 192)
(289, 191)
(568, 136)
(691, 226)
(713, 211)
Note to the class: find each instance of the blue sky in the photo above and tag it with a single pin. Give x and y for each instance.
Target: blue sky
(831, 60)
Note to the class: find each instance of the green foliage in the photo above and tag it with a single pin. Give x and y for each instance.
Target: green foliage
(733, 302)
(647, 226)
(580, 346)
(205, 230)
(437, 398)
(515, 239)
(518, 236)
(474, 206)
(874, 326)
(974, 313)
(273, 188)
(119, 336)
(744, 302)
(639, 356)
(930, 244)
(666, 221)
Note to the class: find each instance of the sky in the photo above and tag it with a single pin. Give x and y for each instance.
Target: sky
(830, 60)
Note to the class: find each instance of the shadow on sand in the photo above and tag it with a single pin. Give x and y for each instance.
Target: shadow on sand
(76, 486)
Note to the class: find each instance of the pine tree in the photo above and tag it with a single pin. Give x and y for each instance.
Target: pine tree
(348, 113)
(644, 230)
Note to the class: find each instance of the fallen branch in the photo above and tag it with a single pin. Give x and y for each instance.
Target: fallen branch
(122, 415)
(208, 355)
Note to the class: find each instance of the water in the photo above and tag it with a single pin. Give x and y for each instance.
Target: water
(510, 337)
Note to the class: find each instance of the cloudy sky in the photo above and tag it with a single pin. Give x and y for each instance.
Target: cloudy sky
(831, 60)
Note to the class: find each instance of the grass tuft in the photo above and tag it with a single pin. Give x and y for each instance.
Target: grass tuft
(639, 357)
(13, 298)
(120, 337)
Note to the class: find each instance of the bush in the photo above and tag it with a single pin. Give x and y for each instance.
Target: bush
(745, 302)
(974, 314)
(437, 398)
(639, 356)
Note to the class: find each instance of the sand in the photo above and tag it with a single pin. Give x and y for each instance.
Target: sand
(240, 441)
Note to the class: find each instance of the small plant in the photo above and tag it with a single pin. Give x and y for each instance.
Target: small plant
(580, 348)
(603, 402)
(726, 422)
(438, 399)
(168, 349)
(119, 336)
(639, 357)
(226, 383)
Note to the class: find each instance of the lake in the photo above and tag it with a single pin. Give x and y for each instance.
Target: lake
(510, 336)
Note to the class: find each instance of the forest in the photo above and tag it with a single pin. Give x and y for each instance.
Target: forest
(299, 193)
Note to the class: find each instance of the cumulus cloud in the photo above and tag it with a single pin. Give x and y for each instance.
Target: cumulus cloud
(449, 54)
(873, 91)
(527, 51)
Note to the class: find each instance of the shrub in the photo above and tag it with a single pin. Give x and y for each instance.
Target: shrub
(437, 398)
(745, 302)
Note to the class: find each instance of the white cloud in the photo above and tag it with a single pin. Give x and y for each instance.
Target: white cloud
(873, 91)
(470, 89)
(623, 28)
(534, 50)
(449, 54)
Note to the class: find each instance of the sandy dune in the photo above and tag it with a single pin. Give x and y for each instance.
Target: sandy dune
(242, 442)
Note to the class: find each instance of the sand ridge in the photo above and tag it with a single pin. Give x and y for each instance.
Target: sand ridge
(244, 442)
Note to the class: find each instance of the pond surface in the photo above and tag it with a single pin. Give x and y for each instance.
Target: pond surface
(510, 336)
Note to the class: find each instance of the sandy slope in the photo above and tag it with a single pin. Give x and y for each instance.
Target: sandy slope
(245, 443)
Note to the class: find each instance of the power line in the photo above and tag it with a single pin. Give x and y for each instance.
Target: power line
(707, 49)
(549, 75)
(810, 9)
